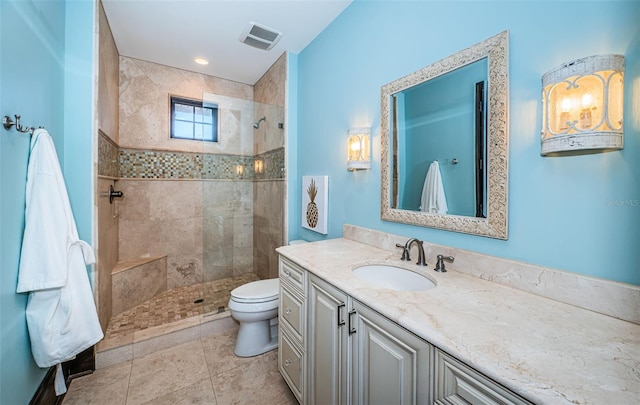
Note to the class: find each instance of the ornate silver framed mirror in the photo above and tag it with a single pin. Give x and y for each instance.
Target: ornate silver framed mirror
(445, 142)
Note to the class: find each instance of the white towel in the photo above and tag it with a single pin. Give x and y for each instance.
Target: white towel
(433, 197)
(61, 313)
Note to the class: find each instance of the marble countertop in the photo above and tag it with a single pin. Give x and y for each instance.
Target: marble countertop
(546, 351)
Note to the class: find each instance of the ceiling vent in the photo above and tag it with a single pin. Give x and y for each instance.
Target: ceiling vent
(259, 36)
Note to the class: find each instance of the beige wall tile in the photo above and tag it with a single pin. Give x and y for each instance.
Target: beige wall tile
(106, 251)
(270, 88)
(108, 79)
(183, 270)
(135, 204)
(268, 226)
(145, 89)
(269, 95)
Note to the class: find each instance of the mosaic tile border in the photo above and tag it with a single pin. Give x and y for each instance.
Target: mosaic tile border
(149, 164)
(152, 164)
(269, 165)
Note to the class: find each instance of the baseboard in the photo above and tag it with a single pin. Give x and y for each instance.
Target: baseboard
(46, 393)
(83, 364)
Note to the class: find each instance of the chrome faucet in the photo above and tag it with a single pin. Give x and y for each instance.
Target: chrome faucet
(440, 263)
(407, 247)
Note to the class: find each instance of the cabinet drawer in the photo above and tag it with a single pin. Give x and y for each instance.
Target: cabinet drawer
(292, 274)
(290, 363)
(458, 383)
(292, 311)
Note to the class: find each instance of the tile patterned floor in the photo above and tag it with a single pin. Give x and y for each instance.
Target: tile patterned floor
(176, 304)
(203, 371)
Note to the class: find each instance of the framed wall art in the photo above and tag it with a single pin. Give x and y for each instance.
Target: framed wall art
(315, 201)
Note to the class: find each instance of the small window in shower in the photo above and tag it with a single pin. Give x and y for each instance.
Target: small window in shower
(194, 120)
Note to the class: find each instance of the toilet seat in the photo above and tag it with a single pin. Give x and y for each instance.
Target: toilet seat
(261, 291)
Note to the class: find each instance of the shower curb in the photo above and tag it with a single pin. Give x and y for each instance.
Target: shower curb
(111, 352)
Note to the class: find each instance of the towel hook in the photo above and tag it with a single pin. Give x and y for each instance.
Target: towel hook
(7, 123)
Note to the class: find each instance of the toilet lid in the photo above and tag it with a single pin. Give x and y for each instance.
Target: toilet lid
(257, 291)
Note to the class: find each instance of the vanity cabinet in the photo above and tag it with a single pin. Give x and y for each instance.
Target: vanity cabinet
(328, 344)
(292, 327)
(336, 350)
(357, 356)
(457, 383)
(390, 365)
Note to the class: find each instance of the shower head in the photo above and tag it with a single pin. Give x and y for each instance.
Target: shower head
(257, 124)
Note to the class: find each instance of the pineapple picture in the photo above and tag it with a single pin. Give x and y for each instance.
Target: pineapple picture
(314, 203)
(312, 207)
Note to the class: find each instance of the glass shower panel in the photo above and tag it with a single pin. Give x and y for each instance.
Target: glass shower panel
(268, 189)
(229, 176)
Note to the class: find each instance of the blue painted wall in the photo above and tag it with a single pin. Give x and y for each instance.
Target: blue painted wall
(79, 104)
(575, 213)
(33, 68)
(291, 147)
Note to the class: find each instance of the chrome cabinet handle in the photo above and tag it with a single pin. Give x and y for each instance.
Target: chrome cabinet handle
(286, 272)
(287, 311)
(287, 363)
(340, 318)
(352, 328)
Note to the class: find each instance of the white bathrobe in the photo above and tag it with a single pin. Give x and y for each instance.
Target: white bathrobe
(433, 197)
(61, 313)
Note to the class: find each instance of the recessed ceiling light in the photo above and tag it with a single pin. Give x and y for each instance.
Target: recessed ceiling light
(201, 61)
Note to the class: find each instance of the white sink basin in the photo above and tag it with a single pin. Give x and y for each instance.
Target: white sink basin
(393, 278)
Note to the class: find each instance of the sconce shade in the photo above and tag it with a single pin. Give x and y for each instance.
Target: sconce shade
(359, 149)
(582, 105)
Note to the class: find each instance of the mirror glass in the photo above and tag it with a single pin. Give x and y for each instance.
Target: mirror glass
(445, 143)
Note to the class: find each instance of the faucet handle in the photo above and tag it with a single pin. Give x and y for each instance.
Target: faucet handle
(405, 252)
(440, 263)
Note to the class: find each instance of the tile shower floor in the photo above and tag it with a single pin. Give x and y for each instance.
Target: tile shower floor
(175, 305)
(204, 371)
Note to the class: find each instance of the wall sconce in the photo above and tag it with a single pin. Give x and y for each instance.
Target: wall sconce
(239, 170)
(359, 149)
(582, 105)
(258, 166)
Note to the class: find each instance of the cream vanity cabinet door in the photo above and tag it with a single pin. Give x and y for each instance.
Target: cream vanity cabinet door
(328, 343)
(357, 356)
(292, 327)
(390, 365)
(456, 383)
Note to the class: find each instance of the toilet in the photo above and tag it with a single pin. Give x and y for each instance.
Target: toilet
(255, 306)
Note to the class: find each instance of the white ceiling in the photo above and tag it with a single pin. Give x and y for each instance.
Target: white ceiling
(173, 32)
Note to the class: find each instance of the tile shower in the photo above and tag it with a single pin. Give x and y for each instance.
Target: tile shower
(187, 220)
(197, 219)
